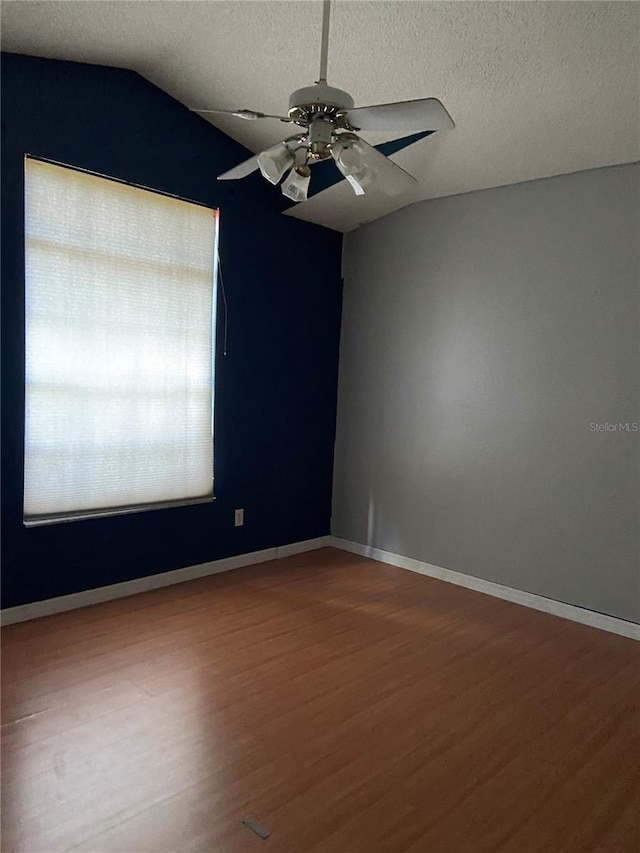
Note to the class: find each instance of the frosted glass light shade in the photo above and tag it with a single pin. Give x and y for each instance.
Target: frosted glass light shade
(274, 162)
(350, 160)
(120, 287)
(296, 186)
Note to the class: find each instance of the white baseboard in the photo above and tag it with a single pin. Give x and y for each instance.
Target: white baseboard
(120, 590)
(301, 547)
(527, 599)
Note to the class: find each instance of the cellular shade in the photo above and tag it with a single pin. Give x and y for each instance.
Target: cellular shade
(120, 286)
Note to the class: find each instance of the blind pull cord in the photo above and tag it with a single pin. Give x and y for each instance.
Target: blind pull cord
(226, 307)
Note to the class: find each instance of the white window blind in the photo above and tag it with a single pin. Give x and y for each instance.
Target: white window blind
(120, 302)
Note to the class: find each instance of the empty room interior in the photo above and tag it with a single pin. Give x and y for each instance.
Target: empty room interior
(320, 426)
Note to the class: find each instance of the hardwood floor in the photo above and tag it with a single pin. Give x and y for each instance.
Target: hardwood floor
(348, 706)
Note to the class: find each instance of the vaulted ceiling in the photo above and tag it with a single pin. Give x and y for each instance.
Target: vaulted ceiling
(535, 88)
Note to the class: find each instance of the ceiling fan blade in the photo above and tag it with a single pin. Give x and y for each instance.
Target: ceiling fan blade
(422, 114)
(241, 170)
(389, 177)
(248, 115)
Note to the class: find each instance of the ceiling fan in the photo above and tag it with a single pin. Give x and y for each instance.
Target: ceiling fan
(328, 121)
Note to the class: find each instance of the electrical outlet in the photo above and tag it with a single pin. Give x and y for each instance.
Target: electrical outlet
(239, 518)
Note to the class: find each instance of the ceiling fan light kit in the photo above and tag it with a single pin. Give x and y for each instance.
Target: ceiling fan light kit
(328, 120)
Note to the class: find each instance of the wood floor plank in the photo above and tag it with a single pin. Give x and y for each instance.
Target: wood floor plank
(350, 707)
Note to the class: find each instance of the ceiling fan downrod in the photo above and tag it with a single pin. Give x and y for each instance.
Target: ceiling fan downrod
(324, 43)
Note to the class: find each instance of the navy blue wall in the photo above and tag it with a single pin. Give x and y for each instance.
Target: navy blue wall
(276, 388)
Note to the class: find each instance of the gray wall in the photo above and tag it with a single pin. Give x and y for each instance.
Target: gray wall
(481, 336)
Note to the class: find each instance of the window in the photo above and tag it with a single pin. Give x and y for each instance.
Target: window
(120, 314)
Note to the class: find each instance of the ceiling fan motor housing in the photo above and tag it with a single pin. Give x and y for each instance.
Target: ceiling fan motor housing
(320, 95)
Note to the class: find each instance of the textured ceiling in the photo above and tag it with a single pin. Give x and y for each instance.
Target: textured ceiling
(535, 88)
